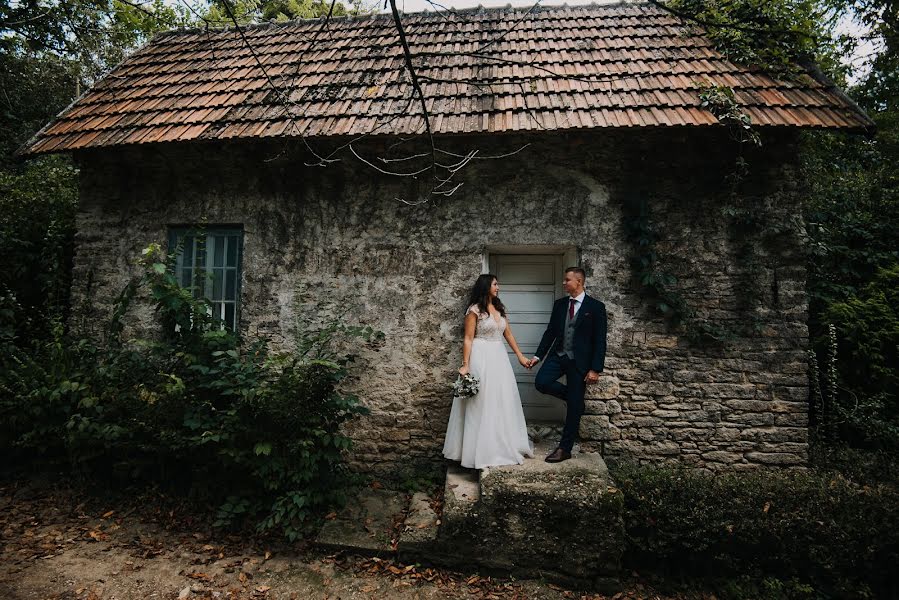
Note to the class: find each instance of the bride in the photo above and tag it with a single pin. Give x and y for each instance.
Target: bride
(488, 429)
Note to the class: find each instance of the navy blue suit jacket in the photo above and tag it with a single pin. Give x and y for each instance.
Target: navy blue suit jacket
(589, 334)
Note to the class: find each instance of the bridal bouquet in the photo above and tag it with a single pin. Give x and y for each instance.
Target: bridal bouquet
(465, 386)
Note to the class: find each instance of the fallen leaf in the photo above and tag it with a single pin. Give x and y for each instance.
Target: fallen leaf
(106, 515)
(202, 576)
(331, 515)
(268, 555)
(263, 588)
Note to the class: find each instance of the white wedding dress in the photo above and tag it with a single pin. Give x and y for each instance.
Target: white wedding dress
(488, 429)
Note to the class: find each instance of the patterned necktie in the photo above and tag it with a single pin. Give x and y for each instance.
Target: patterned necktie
(571, 309)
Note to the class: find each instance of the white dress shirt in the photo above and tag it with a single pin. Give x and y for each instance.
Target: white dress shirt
(578, 300)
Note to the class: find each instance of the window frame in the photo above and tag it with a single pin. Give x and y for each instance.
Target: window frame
(205, 288)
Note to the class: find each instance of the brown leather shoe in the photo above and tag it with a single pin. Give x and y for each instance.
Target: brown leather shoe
(558, 455)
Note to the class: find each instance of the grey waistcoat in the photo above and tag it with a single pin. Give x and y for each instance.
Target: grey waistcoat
(568, 337)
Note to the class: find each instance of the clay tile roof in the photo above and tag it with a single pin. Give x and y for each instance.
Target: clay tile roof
(549, 68)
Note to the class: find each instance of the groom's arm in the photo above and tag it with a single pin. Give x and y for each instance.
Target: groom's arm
(549, 336)
(598, 360)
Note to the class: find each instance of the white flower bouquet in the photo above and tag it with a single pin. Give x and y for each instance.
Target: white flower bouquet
(466, 386)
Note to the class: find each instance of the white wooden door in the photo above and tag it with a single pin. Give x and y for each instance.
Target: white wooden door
(528, 285)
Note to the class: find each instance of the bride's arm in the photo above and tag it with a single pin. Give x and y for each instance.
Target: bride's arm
(514, 345)
(471, 321)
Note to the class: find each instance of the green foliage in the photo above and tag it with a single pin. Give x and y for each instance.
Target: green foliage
(656, 281)
(93, 34)
(820, 529)
(860, 396)
(852, 220)
(861, 466)
(246, 12)
(878, 89)
(37, 218)
(36, 88)
(721, 102)
(658, 285)
(198, 409)
(852, 216)
(745, 587)
(771, 35)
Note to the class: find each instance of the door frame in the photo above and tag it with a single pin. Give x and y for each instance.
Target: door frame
(570, 256)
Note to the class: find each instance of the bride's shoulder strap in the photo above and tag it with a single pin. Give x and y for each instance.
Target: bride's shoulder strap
(473, 309)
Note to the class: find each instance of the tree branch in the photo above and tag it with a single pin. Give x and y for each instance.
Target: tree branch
(410, 67)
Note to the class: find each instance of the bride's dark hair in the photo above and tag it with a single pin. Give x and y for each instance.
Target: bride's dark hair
(480, 295)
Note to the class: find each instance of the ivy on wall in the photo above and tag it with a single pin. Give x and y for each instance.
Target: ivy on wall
(773, 36)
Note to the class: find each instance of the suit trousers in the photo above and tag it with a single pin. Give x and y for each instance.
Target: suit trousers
(547, 382)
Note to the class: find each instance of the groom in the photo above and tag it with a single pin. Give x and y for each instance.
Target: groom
(573, 345)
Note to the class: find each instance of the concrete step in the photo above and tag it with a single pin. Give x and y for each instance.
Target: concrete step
(562, 521)
(462, 485)
(559, 521)
(461, 494)
(419, 530)
(374, 518)
(367, 524)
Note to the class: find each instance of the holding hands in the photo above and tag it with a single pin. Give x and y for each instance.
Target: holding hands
(528, 363)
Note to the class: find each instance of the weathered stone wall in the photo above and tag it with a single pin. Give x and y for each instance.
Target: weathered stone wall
(319, 241)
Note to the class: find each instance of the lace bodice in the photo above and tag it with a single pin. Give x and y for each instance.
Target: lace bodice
(488, 328)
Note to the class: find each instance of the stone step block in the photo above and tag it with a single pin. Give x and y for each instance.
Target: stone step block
(419, 530)
(366, 525)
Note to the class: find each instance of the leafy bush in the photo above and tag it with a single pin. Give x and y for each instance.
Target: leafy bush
(818, 528)
(198, 410)
(860, 386)
(852, 220)
(37, 223)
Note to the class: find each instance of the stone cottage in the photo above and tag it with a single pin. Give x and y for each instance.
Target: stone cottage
(588, 145)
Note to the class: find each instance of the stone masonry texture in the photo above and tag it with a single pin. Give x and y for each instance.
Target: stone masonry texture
(322, 241)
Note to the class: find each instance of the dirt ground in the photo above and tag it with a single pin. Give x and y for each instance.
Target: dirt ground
(63, 544)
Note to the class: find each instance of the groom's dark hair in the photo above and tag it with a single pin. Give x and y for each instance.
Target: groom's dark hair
(579, 271)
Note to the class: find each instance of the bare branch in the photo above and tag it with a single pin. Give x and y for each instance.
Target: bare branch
(410, 67)
(138, 6)
(493, 157)
(512, 28)
(28, 20)
(386, 172)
